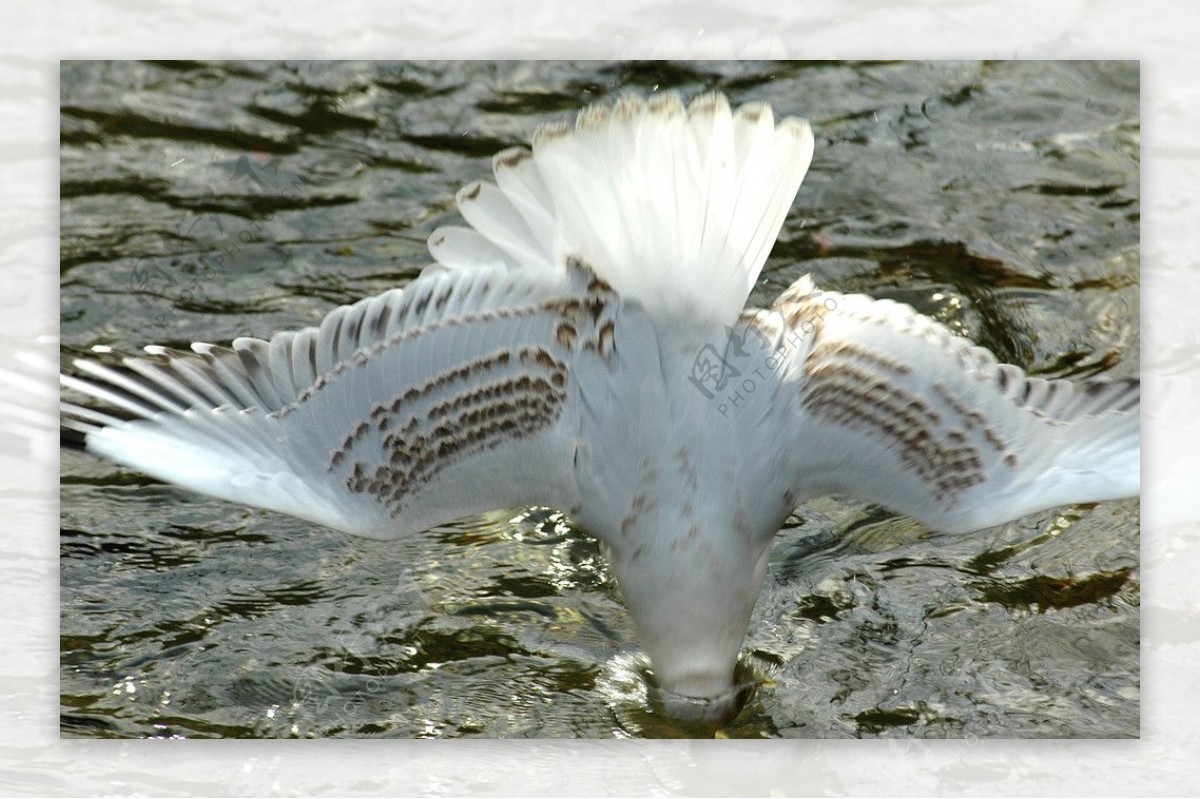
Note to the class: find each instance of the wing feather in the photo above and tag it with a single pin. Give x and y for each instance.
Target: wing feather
(413, 408)
(891, 407)
(675, 207)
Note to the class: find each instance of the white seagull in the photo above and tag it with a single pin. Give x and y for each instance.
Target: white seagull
(583, 345)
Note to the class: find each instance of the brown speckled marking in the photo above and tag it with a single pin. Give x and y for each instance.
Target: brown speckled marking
(536, 355)
(806, 316)
(480, 419)
(512, 157)
(970, 418)
(596, 285)
(463, 410)
(687, 469)
(751, 112)
(592, 118)
(857, 392)
(443, 297)
(605, 339)
(596, 306)
(993, 438)
(628, 107)
(363, 355)
(565, 335)
(466, 409)
(635, 512)
(549, 132)
(1002, 380)
(569, 308)
(850, 351)
(582, 321)
(688, 538)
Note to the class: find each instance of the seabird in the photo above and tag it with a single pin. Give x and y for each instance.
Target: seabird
(583, 344)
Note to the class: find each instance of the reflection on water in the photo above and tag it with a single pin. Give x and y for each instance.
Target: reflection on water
(203, 202)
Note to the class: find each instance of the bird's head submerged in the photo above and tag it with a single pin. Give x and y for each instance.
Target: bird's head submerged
(691, 593)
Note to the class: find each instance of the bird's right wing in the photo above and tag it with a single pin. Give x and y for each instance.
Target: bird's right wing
(455, 395)
(889, 406)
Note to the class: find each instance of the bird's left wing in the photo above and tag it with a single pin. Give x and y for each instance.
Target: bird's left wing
(452, 396)
(879, 402)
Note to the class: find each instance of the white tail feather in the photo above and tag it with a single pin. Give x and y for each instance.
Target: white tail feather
(676, 208)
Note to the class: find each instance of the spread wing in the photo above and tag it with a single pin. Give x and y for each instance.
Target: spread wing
(889, 406)
(459, 393)
(413, 408)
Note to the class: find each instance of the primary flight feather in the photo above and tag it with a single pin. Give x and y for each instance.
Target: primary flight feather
(584, 345)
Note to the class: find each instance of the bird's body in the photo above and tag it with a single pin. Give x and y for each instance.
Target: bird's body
(584, 346)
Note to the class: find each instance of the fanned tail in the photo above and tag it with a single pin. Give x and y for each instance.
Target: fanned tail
(676, 208)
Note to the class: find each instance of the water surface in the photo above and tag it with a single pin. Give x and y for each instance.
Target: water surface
(208, 201)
